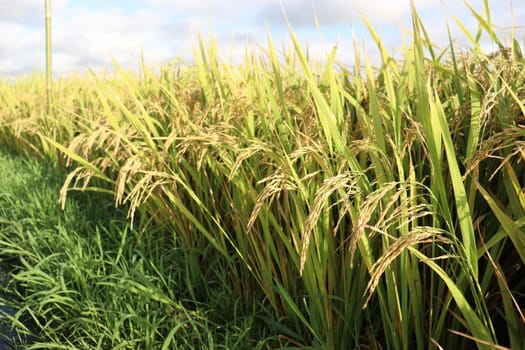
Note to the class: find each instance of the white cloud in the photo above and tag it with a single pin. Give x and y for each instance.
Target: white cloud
(94, 37)
(225, 9)
(90, 33)
(20, 49)
(330, 12)
(26, 11)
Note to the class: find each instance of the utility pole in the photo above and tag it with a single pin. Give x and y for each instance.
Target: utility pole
(49, 75)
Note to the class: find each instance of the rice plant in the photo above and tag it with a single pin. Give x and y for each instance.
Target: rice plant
(374, 207)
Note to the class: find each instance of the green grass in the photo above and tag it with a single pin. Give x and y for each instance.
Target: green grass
(82, 278)
(379, 207)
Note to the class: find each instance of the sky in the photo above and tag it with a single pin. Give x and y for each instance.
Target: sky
(92, 33)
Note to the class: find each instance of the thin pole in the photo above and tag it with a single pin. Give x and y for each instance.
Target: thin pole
(49, 75)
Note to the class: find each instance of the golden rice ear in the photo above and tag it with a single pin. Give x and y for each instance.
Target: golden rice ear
(277, 183)
(417, 236)
(65, 187)
(126, 175)
(145, 188)
(346, 186)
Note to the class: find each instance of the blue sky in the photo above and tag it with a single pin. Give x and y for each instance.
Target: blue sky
(90, 33)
